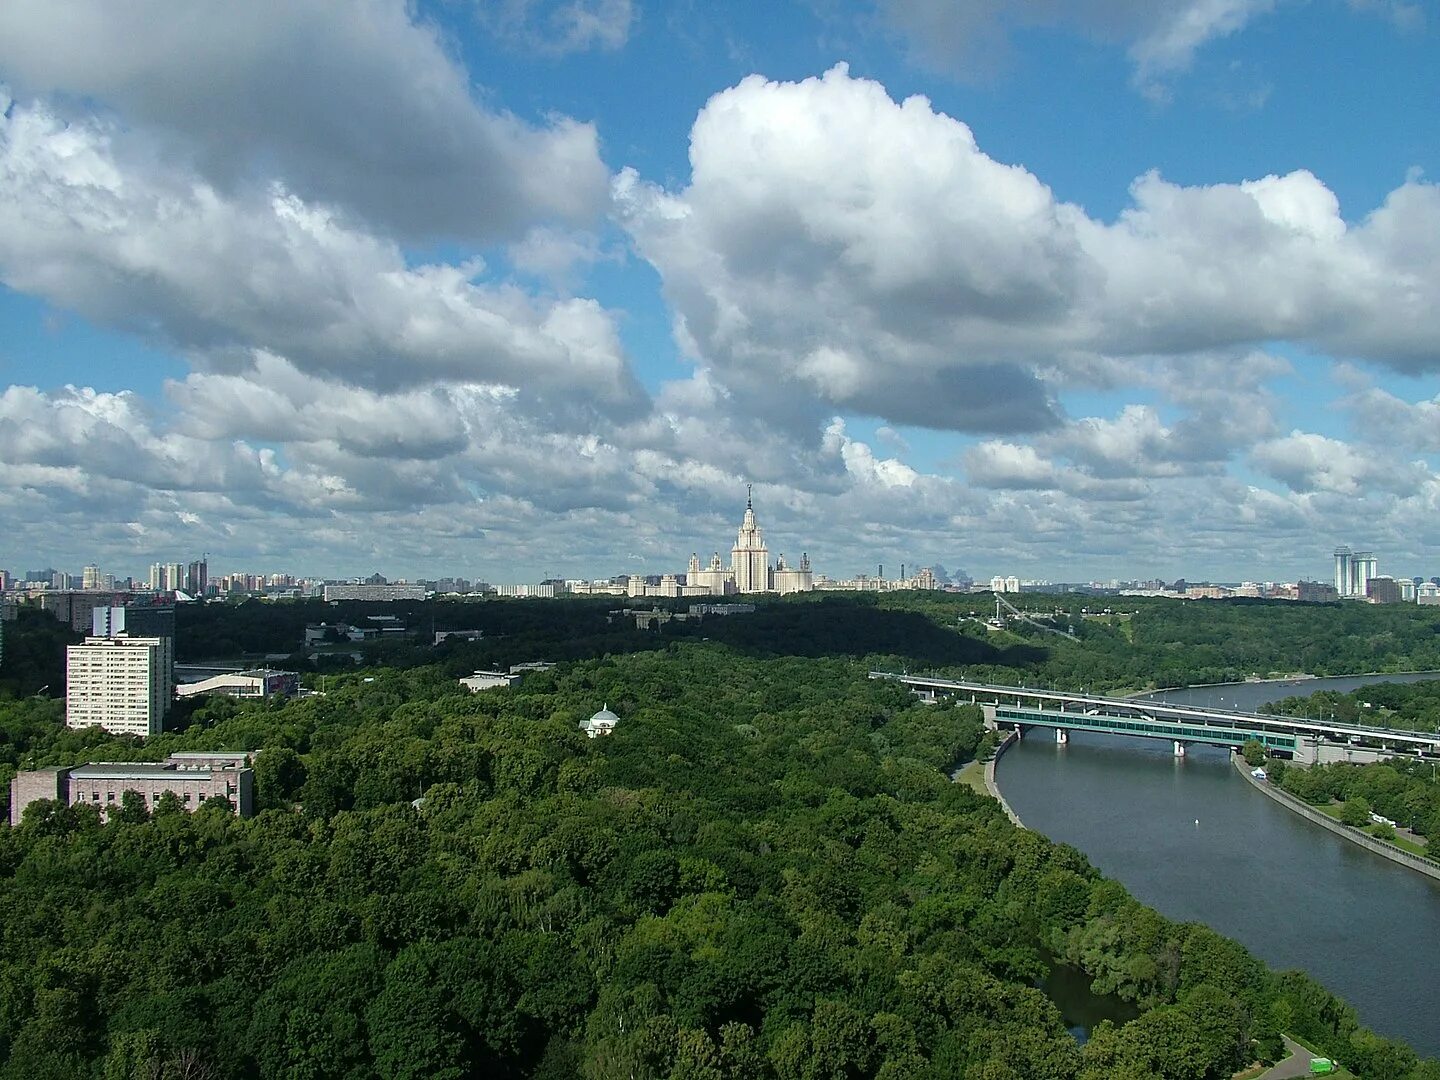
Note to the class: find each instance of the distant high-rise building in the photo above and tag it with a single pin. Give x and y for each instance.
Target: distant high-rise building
(1353, 569)
(1363, 568)
(1384, 590)
(197, 578)
(90, 578)
(749, 558)
(139, 620)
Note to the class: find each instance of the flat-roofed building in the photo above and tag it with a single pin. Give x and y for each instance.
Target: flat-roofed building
(192, 777)
(119, 683)
(488, 680)
(261, 683)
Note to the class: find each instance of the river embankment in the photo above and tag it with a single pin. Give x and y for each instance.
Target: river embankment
(1309, 813)
(993, 786)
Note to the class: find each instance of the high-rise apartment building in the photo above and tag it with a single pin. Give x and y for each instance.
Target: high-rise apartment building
(1353, 570)
(121, 684)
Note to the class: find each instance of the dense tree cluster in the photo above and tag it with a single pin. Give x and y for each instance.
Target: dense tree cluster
(1155, 643)
(763, 873)
(34, 657)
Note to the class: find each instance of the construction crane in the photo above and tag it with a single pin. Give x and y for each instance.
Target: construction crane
(1016, 613)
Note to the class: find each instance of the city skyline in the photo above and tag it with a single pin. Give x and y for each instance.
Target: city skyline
(1072, 292)
(749, 559)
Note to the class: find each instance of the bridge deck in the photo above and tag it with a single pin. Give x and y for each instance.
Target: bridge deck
(1070, 710)
(1214, 735)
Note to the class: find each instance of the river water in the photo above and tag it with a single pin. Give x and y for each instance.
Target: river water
(1192, 839)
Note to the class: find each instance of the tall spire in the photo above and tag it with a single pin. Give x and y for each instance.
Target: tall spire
(749, 505)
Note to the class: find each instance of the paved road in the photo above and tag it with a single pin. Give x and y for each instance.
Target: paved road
(1297, 1064)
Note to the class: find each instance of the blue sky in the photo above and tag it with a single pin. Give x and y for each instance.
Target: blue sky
(1088, 290)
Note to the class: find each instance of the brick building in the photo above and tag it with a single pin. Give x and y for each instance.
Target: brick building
(192, 777)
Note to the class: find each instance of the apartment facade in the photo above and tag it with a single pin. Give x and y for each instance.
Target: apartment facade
(119, 683)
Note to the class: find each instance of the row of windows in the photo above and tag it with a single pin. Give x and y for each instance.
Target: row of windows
(154, 796)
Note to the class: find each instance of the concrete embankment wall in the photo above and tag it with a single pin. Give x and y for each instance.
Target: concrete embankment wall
(992, 787)
(1379, 847)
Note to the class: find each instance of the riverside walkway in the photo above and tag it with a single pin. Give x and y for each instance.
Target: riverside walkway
(1306, 740)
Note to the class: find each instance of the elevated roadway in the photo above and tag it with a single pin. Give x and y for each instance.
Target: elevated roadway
(1064, 711)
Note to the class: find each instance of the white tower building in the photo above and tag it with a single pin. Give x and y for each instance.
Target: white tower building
(749, 558)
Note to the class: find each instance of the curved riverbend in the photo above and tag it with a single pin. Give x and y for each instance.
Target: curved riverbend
(1296, 895)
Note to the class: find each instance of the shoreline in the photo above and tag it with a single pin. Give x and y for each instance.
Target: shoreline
(1388, 851)
(1298, 678)
(993, 787)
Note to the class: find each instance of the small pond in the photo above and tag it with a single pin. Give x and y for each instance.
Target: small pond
(1081, 1008)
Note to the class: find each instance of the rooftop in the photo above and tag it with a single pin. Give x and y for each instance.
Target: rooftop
(130, 771)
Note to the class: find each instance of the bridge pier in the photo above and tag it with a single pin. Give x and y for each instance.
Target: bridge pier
(1062, 737)
(1179, 749)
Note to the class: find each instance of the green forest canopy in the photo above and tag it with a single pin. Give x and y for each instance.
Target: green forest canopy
(763, 873)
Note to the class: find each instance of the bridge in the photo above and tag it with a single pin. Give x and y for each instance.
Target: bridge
(1063, 711)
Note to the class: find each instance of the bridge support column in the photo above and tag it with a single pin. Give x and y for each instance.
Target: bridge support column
(1062, 736)
(1179, 748)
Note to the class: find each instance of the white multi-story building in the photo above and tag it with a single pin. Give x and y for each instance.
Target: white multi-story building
(713, 580)
(788, 579)
(118, 683)
(749, 558)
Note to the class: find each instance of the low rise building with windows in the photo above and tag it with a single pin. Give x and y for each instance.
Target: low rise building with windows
(191, 777)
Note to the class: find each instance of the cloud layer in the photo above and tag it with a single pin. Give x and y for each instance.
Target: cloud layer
(382, 284)
(367, 110)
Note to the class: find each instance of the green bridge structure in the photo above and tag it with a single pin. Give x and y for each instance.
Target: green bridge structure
(1306, 740)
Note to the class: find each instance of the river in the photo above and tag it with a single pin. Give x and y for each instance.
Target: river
(1192, 839)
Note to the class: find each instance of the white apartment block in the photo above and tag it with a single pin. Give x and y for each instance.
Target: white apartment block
(118, 683)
